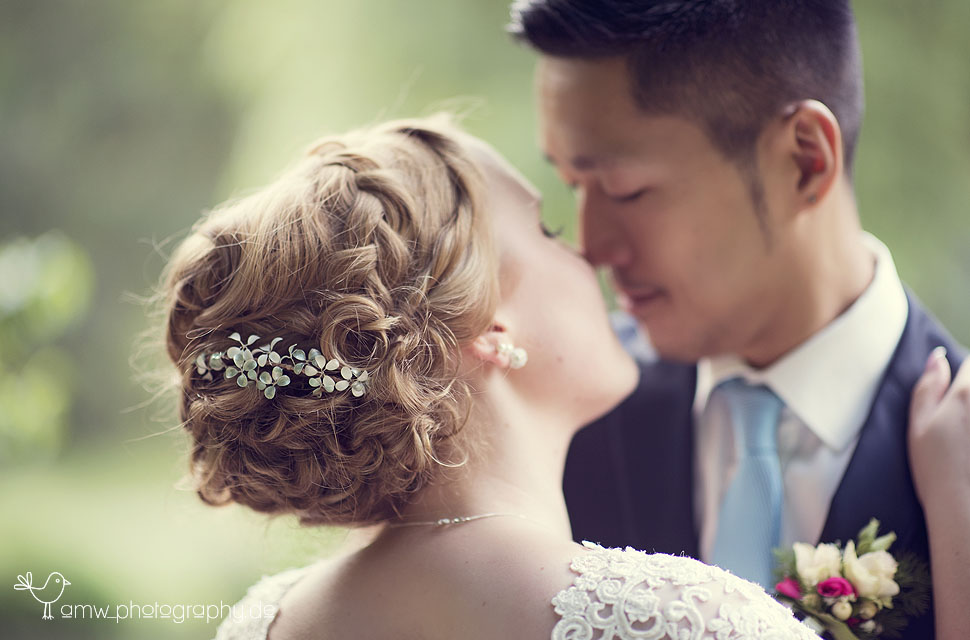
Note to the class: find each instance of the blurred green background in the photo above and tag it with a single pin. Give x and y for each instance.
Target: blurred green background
(120, 121)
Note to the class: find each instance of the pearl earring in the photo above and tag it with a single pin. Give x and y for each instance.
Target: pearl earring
(517, 355)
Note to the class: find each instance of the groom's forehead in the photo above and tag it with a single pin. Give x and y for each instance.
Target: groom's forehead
(587, 146)
(579, 88)
(610, 72)
(587, 122)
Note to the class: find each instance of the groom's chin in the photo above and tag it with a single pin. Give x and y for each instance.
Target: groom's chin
(663, 345)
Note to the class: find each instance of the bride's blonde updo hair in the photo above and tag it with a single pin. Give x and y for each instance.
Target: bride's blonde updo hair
(374, 249)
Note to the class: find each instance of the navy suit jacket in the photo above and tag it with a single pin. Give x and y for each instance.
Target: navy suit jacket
(629, 478)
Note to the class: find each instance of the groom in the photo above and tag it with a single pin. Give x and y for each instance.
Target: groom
(710, 145)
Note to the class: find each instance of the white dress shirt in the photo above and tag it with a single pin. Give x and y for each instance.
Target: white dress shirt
(828, 384)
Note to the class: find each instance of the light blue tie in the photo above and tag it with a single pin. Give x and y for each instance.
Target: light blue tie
(749, 524)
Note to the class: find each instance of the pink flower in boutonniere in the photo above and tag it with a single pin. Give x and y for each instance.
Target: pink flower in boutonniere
(789, 587)
(836, 587)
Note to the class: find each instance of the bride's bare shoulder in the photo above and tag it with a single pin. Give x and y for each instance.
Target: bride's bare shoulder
(486, 581)
(503, 585)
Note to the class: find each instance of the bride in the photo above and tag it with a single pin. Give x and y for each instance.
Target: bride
(388, 335)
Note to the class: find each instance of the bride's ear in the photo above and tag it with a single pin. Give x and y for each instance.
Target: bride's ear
(485, 348)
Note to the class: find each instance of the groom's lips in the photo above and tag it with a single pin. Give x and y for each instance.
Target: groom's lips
(638, 301)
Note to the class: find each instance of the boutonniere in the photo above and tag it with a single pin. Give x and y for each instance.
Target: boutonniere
(856, 592)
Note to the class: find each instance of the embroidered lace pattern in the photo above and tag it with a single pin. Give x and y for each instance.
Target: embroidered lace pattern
(627, 594)
(251, 617)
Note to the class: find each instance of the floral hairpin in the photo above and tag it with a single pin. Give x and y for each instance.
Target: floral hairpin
(269, 370)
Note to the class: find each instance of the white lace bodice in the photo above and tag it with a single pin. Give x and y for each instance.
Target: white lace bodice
(628, 594)
(616, 595)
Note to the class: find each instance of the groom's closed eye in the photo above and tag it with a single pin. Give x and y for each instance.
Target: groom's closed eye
(627, 197)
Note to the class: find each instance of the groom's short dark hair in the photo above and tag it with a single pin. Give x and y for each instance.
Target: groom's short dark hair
(730, 65)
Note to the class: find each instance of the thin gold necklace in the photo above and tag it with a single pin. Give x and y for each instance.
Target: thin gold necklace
(442, 522)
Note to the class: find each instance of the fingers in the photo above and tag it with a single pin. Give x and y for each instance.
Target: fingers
(962, 378)
(931, 386)
(960, 387)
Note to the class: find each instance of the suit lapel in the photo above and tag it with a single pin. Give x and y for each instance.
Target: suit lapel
(878, 483)
(655, 449)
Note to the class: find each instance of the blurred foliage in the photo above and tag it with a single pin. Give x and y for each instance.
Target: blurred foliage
(46, 288)
(122, 120)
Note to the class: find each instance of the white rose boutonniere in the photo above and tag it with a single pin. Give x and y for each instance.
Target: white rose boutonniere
(815, 564)
(872, 574)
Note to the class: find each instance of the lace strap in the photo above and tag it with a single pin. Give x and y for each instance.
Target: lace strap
(250, 618)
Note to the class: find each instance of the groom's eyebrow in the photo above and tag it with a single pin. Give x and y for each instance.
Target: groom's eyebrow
(584, 163)
(579, 163)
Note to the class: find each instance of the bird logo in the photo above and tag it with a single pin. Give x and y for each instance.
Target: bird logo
(50, 593)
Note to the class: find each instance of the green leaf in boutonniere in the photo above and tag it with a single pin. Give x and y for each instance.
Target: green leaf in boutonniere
(867, 540)
(835, 627)
(838, 629)
(784, 563)
(913, 577)
(866, 537)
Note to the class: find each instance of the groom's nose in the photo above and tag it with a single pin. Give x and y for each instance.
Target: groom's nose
(601, 237)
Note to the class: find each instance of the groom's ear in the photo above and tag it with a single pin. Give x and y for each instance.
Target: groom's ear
(814, 139)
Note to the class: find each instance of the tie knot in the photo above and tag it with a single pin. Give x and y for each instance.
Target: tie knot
(755, 410)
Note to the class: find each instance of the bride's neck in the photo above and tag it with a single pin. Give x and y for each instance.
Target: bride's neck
(515, 464)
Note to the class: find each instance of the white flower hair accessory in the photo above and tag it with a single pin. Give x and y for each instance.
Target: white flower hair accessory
(269, 370)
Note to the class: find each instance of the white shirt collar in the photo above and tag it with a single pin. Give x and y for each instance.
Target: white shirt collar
(829, 381)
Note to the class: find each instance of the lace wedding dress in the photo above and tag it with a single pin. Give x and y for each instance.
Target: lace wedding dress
(616, 595)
